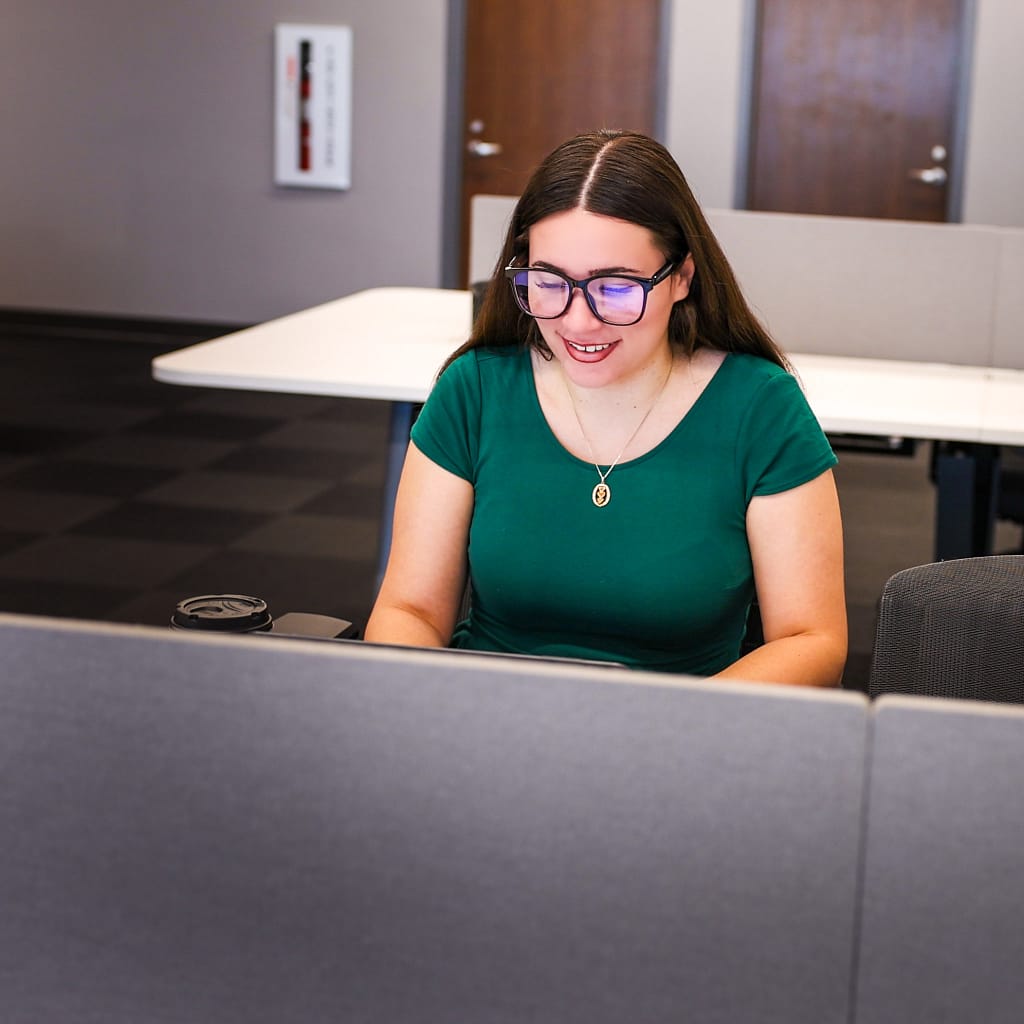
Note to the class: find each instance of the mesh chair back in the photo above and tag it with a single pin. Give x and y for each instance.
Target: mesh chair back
(953, 629)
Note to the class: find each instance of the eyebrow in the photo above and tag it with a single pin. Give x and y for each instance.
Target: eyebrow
(544, 265)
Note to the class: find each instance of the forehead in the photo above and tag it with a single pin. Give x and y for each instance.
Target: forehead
(581, 241)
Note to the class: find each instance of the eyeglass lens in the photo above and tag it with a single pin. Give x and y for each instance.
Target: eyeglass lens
(617, 300)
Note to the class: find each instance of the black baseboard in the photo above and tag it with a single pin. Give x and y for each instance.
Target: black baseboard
(91, 327)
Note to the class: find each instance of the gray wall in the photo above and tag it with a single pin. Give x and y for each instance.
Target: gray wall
(136, 175)
(137, 158)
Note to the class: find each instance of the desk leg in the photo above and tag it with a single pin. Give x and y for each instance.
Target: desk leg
(403, 414)
(967, 483)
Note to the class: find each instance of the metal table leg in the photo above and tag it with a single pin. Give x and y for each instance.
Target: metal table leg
(967, 483)
(403, 415)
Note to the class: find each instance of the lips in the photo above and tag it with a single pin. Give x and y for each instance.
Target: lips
(588, 353)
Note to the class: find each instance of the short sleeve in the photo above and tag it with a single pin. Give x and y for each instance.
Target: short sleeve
(782, 442)
(447, 428)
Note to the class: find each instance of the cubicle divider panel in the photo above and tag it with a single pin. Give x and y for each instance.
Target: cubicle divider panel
(853, 286)
(1008, 344)
(942, 933)
(258, 829)
(489, 219)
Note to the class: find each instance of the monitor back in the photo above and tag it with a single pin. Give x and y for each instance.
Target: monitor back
(943, 904)
(255, 830)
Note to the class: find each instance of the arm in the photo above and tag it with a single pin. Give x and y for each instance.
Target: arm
(796, 543)
(422, 590)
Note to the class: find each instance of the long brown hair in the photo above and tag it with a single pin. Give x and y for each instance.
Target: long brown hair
(631, 177)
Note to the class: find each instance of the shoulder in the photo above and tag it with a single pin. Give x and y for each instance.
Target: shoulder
(465, 380)
(754, 369)
(484, 366)
(781, 442)
(751, 378)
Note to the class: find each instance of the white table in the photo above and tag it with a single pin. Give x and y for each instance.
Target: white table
(388, 343)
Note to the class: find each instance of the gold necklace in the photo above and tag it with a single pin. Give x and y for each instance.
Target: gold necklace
(602, 493)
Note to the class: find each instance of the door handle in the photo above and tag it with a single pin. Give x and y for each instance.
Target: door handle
(478, 148)
(935, 176)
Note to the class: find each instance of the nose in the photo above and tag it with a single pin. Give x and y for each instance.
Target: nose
(579, 312)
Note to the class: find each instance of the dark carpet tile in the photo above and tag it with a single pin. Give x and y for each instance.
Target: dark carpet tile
(100, 561)
(209, 426)
(11, 539)
(23, 364)
(23, 439)
(345, 440)
(347, 499)
(367, 474)
(365, 412)
(18, 389)
(253, 492)
(253, 403)
(93, 358)
(279, 461)
(62, 599)
(165, 451)
(345, 538)
(93, 478)
(39, 511)
(143, 520)
(48, 367)
(89, 415)
(109, 386)
(132, 389)
(286, 583)
(13, 463)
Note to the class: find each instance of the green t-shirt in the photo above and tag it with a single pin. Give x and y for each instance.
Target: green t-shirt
(661, 577)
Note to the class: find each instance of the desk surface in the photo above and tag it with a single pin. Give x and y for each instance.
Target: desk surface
(388, 343)
(385, 343)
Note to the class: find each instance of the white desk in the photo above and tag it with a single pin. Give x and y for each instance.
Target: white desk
(890, 398)
(388, 343)
(384, 343)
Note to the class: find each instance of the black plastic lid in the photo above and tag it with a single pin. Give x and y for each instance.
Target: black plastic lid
(222, 613)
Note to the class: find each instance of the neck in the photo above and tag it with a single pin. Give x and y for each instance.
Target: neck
(638, 391)
(603, 415)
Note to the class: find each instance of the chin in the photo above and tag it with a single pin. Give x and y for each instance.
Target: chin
(591, 375)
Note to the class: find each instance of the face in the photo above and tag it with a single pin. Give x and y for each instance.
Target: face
(591, 352)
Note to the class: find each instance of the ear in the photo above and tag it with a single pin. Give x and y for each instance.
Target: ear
(681, 278)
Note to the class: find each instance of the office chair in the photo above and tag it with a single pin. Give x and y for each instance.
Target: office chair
(952, 629)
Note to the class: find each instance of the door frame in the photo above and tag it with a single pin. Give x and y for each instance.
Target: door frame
(451, 199)
(961, 109)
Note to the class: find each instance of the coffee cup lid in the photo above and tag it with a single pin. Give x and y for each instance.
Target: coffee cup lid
(223, 613)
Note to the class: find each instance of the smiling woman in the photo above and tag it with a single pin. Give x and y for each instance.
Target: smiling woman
(614, 339)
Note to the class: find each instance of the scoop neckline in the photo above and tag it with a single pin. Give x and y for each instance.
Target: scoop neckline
(639, 458)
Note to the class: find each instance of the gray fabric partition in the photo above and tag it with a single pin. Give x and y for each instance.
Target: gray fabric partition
(256, 829)
(942, 935)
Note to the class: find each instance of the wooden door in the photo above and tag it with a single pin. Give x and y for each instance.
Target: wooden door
(854, 107)
(538, 73)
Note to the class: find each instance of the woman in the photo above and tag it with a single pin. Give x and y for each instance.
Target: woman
(618, 458)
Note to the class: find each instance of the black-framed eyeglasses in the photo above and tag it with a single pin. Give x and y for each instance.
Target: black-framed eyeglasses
(616, 299)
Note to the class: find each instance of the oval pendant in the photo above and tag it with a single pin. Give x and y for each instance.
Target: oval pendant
(601, 494)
